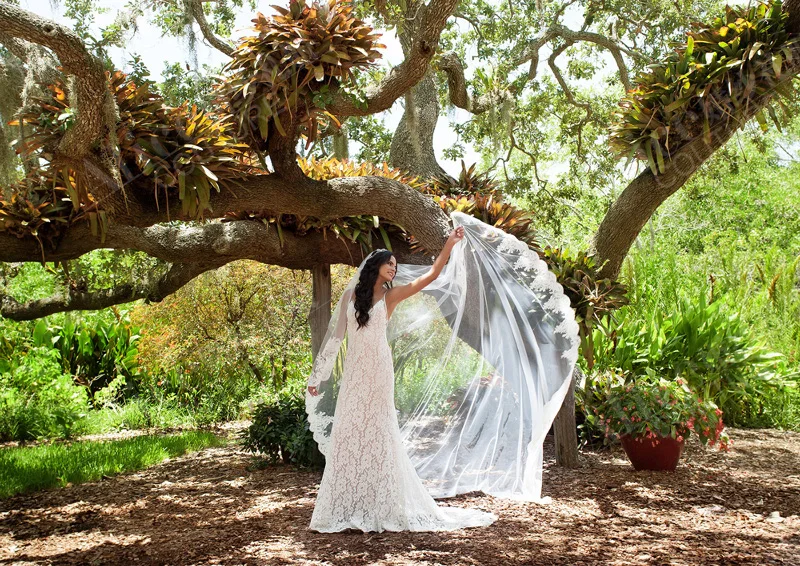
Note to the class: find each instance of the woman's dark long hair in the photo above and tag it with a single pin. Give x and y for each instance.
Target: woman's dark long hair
(366, 284)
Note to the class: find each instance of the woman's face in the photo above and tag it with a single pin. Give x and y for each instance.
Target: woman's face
(388, 270)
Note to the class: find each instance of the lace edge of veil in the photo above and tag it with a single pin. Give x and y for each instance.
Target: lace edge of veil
(544, 282)
(318, 423)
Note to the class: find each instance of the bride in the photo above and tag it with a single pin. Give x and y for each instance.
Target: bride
(451, 378)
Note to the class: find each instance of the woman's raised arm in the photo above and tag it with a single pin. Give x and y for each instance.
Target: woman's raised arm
(402, 292)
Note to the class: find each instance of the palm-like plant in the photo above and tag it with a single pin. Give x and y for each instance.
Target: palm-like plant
(287, 70)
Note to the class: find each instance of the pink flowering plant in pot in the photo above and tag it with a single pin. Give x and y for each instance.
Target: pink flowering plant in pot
(654, 415)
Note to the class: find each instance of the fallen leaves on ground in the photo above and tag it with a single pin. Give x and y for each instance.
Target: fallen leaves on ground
(215, 507)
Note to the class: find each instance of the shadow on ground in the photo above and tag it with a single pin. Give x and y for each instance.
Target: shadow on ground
(209, 508)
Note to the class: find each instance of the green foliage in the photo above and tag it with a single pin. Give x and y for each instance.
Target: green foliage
(649, 406)
(772, 408)
(721, 69)
(707, 345)
(143, 412)
(733, 233)
(27, 281)
(280, 430)
(104, 269)
(244, 323)
(285, 71)
(593, 299)
(180, 85)
(26, 469)
(204, 394)
(37, 399)
(94, 353)
(375, 138)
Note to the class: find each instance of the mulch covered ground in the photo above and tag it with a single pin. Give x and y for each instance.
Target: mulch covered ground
(213, 507)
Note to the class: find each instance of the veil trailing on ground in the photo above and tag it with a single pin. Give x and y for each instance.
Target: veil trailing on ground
(483, 358)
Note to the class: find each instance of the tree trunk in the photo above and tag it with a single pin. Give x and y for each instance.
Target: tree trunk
(636, 204)
(320, 313)
(564, 428)
(412, 144)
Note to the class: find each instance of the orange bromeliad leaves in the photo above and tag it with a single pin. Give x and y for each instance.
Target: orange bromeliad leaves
(283, 74)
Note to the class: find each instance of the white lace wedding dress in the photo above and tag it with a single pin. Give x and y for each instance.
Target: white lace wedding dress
(369, 481)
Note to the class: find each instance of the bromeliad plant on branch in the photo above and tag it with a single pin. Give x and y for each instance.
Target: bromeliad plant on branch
(38, 206)
(595, 299)
(284, 75)
(179, 153)
(721, 69)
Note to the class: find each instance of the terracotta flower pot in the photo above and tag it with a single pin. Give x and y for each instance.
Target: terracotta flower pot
(660, 453)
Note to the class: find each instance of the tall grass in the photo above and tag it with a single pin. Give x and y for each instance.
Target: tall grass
(31, 468)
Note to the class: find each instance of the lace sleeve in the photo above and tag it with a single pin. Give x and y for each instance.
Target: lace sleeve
(326, 358)
(323, 365)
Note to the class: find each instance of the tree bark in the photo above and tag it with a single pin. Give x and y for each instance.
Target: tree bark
(90, 145)
(565, 429)
(412, 144)
(428, 21)
(320, 314)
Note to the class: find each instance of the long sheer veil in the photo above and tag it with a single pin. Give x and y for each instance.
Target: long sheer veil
(483, 358)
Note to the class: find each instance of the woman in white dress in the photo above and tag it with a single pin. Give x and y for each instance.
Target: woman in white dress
(437, 381)
(369, 482)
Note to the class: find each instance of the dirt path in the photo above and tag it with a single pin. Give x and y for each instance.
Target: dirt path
(207, 508)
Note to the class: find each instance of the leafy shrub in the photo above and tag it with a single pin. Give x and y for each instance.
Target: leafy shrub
(95, 352)
(777, 407)
(651, 406)
(280, 431)
(208, 393)
(38, 400)
(139, 413)
(701, 342)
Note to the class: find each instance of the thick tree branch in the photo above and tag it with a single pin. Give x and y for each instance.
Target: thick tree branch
(208, 33)
(176, 277)
(16, 46)
(640, 199)
(216, 243)
(401, 78)
(89, 146)
(92, 89)
(457, 86)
